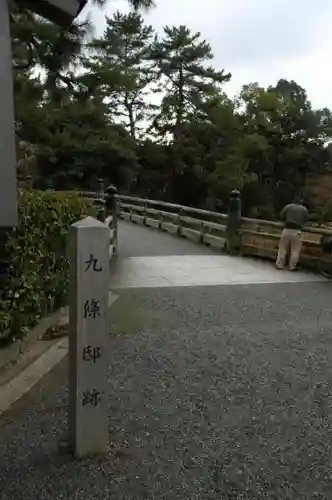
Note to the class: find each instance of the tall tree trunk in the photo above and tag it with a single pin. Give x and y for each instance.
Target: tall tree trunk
(180, 108)
(177, 136)
(131, 118)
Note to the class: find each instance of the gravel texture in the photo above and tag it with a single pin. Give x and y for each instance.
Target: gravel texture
(219, 393)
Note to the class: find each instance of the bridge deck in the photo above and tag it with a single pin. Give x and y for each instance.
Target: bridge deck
(150, 258)
(140, 241)
(215, 392)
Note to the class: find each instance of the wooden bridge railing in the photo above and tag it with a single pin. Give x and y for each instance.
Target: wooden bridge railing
(256, 237)
(198, 225)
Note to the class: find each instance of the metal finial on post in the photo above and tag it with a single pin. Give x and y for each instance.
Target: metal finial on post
(111, 201)
(234, 222)
(111, 190)
(235, 194)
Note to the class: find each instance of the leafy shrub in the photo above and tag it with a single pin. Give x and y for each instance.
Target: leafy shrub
(37, 279)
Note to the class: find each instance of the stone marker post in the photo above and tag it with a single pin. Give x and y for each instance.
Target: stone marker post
(88, 302)
(234, 222)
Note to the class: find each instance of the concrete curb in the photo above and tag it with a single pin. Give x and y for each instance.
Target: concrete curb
(10, 355)
(18, 386)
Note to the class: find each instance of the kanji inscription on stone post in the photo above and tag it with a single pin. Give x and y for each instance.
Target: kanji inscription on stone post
(88, 301)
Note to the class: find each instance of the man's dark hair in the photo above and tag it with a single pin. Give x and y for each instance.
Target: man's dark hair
(298, 200)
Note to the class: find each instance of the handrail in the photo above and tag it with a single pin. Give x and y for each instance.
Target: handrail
(257, 237)
(184, 208)
(209, 213)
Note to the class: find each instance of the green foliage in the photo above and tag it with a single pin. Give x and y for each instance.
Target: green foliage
(290, 139)
(76, 145)
(135, 4)
(117, 66)
(37, 281)
(148, 113)
(187, 81)
(55, 51)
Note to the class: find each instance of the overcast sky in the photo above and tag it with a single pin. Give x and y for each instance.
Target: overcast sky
(256, 40)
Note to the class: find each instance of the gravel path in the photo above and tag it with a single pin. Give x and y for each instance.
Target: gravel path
(219, 393)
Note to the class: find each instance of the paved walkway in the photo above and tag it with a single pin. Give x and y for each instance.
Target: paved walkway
(215, 392)
(153, 259)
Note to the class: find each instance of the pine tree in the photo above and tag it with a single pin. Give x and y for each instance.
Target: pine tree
(120, 68)
(181, 57)
(56, 51)
(39, 44)
(135, 4)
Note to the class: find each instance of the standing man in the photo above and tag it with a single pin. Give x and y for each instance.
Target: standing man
(295, 217)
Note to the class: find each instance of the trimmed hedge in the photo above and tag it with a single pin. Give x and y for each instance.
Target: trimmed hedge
(37, 280)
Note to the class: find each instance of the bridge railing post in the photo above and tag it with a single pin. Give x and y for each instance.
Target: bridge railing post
(112, 209)
(161, 220)
(101, 201)
(203, 231)
(234, 222)
(29, 181)
(179, 222)
(145, 212)
(101, 187)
